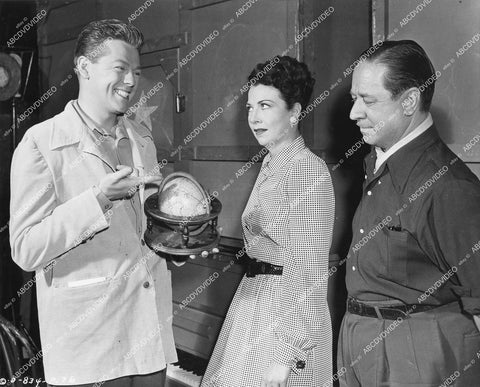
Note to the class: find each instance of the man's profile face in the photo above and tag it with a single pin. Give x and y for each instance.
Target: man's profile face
(379, 116)
(113, 76)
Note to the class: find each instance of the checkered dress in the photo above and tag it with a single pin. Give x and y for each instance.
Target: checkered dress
(284, 318)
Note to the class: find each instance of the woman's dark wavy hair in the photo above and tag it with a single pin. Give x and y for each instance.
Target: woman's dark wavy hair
(289, 76)
(93, 35)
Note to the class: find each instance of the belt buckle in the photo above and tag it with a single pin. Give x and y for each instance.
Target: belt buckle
(391, 313)
(406, 314)
(262, 267)
(355, 306)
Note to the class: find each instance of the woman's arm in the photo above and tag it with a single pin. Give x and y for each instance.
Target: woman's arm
(305, 318)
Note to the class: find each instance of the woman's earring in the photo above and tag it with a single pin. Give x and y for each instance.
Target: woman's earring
(293, 120)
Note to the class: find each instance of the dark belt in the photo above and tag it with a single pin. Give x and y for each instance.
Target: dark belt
(385, 312)
(258, 267)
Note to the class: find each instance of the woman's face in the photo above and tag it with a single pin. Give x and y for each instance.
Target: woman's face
(269, 118)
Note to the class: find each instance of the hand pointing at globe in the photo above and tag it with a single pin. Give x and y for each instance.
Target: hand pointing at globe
(145, 179)
(149, 179)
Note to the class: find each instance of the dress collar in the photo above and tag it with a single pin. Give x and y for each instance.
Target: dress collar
(273, 163)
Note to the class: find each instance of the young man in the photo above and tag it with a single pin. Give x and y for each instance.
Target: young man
(78, 187)
(413, 268)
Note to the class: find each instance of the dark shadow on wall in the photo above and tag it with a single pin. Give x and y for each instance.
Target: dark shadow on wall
(17, 304)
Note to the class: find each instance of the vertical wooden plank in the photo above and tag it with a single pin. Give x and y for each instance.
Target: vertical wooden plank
(379, 20)
(305, 52)
(294, 13)
(185, 78)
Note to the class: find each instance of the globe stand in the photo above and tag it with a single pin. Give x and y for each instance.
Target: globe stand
(181, 235)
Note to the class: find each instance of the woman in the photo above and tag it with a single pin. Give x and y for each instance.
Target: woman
(277, 332)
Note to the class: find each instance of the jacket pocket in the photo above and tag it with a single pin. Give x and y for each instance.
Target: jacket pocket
(86, 290)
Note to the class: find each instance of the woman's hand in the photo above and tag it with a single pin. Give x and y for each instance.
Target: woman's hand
(276, 376)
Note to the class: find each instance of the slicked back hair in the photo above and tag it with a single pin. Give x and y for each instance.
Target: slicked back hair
(408, 66)
(91, 40)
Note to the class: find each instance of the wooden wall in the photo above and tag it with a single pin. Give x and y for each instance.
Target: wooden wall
(14, 16)
(448, 30)
(211, 79)
(214, 76)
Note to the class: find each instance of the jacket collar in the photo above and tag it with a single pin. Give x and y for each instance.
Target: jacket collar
(69, 129)
(402, 162)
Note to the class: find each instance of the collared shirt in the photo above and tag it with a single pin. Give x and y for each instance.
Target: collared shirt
(116, 147)
(416, 231)
(383, 156)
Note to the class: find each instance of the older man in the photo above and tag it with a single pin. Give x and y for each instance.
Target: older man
(414, 265)
(104, 298)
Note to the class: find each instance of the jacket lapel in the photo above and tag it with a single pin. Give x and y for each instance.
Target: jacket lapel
(77, 132)
(88, 145)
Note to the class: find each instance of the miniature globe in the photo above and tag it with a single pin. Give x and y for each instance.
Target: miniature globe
(182, 218)
(181, 195)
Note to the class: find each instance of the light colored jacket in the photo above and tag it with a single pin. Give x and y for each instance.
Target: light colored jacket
(104, 298)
